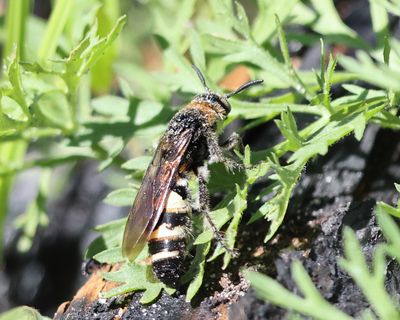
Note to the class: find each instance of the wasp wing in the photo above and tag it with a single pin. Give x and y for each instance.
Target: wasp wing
(153, 193)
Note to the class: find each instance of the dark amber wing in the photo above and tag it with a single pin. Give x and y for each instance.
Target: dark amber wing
(153, 193)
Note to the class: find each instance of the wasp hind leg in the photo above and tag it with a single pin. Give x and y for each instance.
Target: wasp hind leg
(204, 202)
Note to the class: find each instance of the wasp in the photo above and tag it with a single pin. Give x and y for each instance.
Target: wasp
(161, 212)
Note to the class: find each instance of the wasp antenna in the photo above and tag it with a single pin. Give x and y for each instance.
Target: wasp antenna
(243, 87)
(201, 77)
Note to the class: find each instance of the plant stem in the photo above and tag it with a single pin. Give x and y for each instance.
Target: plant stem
(55, 26)
(16, 17)
(12, 152)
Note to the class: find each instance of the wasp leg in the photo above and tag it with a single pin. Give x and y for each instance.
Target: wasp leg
(204, 200)
(233, 142)
(216, 154)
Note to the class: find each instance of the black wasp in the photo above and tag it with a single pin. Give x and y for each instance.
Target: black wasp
(161, 214)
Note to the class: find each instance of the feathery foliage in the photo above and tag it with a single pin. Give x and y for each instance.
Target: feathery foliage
(46, 97)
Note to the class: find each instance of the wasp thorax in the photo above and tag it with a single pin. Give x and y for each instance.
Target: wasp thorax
(217, 102)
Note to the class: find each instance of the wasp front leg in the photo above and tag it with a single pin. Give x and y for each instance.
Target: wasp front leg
(233, 142)
(216, 150)
(204, 206)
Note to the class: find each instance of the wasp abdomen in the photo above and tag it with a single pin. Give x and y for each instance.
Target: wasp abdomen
(167, 244)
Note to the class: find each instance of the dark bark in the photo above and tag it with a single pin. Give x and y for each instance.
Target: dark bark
(338, 190)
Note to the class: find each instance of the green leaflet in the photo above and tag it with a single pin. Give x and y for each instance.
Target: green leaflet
(25, 313)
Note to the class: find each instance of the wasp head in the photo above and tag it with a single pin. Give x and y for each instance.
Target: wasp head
(218, 102)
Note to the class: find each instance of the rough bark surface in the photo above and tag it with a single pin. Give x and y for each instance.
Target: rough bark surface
(337, 190)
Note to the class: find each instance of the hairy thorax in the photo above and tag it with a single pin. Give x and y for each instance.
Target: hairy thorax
(208, 112)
